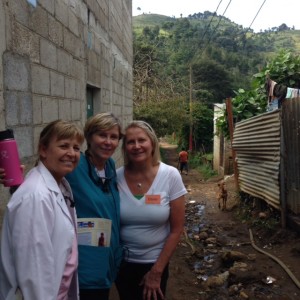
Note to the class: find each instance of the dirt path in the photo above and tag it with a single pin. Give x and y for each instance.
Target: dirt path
(215, 259)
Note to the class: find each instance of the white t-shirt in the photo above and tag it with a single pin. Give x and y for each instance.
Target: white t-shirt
(145, 227)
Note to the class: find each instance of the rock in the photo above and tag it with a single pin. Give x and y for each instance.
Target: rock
(240, 265)
(233, 289)
(262, 215)
(196, 237)
(241, 275)
(211, 240)
(244, 295)
(252, 257)
(203, 235)
(222, 241)
(218, 280)
(230, 257)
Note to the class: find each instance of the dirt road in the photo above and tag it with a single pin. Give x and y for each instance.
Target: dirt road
(215, 259)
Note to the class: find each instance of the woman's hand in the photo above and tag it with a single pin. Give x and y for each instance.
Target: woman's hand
(151, 282)
(2, 176)
(2, 173)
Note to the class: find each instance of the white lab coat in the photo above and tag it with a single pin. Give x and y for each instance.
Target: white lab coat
(37, 236)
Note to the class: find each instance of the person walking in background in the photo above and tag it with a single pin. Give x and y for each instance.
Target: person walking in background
(152, 215)
(39, 242)
(183, 161)
(94, 185)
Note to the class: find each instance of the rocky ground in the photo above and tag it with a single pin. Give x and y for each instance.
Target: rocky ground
(215, 259)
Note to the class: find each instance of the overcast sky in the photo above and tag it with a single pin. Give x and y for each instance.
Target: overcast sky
(272, 14)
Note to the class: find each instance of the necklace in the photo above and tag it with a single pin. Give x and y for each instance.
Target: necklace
(139, 185)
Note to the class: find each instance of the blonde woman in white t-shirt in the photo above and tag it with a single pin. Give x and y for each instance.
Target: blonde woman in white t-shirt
(152, 214)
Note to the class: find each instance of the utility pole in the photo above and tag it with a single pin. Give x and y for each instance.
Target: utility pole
(191, 117)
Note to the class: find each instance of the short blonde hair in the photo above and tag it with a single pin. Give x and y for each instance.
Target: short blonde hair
(61, 130)
(151, 134)
(101, 122)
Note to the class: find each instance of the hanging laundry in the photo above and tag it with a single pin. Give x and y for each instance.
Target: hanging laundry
(273, 105)
(278, 93)
(272, 86)
(289, 93)
(269, 86)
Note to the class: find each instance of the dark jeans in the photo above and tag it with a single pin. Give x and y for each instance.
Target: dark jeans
(130, 276)
(184, 165)
(94, 294)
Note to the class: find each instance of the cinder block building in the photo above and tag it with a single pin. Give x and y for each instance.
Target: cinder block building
(62, 59)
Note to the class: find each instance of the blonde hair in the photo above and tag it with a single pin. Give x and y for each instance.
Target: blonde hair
(61, 130)
(101, 122)
(151, 134)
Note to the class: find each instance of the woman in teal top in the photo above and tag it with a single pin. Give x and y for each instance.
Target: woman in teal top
(96, 195)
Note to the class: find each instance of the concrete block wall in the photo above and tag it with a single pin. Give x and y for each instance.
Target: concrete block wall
(50, 52)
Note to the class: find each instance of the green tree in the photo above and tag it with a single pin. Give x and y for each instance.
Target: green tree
(202, 128)
(211, 76)
(166, 116)
(283, 69)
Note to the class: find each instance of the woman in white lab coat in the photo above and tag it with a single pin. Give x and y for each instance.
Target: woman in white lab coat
(38, 255)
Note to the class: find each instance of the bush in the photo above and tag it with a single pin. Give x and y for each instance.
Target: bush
(202, 163)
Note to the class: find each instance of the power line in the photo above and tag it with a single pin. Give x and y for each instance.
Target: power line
(244, 46)
(217, 25)
(207, 27)
(257, 13)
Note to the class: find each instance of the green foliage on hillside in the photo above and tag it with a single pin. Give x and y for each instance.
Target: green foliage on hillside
(183, 66)
(284, 69)
(150, 20)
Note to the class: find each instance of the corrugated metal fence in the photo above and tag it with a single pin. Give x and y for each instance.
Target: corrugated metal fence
(257, 145)
(267, 146)
(291, 134)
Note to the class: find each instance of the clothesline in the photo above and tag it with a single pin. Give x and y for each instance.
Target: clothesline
(278, 92)
(289, 94)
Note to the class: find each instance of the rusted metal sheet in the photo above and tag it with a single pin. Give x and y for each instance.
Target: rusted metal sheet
(257, 144)
(291, 134)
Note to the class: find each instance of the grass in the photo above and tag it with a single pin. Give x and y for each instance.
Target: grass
(248, 213)
(206, 171)
(171, 139)
(203, 164)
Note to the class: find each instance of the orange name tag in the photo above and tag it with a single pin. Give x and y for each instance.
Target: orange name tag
(152, 199)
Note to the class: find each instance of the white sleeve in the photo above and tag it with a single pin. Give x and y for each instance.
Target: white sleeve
(31, 224)
(177, 188)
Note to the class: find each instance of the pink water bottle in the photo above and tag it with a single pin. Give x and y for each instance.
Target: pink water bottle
(9, 159)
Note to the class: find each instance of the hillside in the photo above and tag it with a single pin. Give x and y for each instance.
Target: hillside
(175, 43)
(149, 20)
(202, 59)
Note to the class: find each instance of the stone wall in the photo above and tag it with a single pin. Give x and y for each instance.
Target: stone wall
(51, 53)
